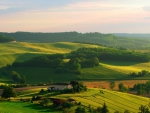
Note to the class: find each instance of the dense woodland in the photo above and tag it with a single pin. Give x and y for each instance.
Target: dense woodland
(92, 37)
(5, 39)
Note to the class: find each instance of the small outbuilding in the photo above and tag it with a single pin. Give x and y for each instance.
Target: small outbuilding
(60, 86)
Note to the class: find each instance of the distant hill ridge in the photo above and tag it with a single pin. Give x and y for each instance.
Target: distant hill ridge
(57, 37)
(133, 35)
(115, 40)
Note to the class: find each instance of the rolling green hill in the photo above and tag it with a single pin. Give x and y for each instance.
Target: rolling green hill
(21, 51)
(106, 71)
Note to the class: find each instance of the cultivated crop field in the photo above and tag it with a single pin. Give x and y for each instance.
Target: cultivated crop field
(116, 101)
(113, 99)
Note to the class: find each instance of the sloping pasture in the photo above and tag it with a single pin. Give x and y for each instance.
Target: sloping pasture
(10, 52)
(126, 67)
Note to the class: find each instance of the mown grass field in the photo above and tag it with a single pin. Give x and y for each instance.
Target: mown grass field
(116, 101)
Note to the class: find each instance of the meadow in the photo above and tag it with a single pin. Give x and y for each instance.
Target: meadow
(21, 51)
(105, 71)
(20, 107)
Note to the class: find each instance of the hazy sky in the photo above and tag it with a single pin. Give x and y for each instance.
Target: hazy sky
(105, 16)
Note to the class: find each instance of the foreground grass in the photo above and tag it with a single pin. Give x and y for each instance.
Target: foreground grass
(116, 101)
(23, 107)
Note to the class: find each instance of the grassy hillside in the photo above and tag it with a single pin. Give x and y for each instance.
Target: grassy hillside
(115, 101)
(21, 51)
(105, 39)
(105, 71)
(126, 67)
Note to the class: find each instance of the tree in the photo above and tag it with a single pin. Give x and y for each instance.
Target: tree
(15, 76)
(75, 66)
(104, 109)
(50, 81)
(144, 109)
(78, 86)
(141, 88)
(112, 85)
(45, 102)
(122, 88)
(147, 87)
(95, 61)
(8, 92)
(80, 110)
(23, 80)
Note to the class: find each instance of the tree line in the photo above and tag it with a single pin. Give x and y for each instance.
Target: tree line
(110, 54)
(56, 62)
(142, 88)
(5, 39)
(140, 74)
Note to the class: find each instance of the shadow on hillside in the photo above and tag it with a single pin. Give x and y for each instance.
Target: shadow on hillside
(119, 63)
(40, 108)
(26, 56)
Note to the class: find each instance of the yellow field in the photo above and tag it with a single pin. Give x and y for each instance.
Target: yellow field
(127, 67)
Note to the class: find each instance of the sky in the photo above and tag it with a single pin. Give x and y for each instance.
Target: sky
(105, 16)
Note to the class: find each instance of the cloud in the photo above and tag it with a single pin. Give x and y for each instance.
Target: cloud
(77, 15)
(146, 8)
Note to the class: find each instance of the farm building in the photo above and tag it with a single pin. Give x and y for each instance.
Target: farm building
(60, 86)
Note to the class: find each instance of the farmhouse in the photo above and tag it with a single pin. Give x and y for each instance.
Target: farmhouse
(60, 86)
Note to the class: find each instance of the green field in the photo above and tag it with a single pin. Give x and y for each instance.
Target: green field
(126, 67)
(21, 51)
(116, 101)
(105, 71)
(20, 107)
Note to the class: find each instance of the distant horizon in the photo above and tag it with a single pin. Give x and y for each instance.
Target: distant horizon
(71, 31)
